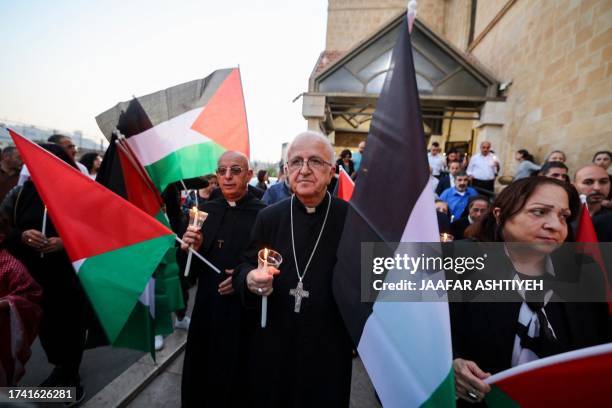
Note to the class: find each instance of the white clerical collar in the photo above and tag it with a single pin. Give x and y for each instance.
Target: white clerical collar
(310, 210)
(231, 203)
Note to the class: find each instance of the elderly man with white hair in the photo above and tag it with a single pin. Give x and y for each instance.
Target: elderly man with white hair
(302, 358)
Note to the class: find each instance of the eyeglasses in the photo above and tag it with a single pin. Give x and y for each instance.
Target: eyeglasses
(234, 170)
(313, 163)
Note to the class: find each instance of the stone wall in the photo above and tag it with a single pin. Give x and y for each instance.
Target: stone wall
(352, 21)
(558, 55)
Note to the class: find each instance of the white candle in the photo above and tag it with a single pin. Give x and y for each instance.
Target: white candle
(194, 223)
(44, 228)
(264, 299)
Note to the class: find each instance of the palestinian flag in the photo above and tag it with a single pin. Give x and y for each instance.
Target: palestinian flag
(346, 185)
(405, 346)
(113, 245)
(167, 292)
(121, 173)
(580, 378)
(189, 126)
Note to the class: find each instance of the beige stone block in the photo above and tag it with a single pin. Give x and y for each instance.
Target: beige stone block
(595, 75)
(603, 107)
(606, 53)
(603, 7)
(555, 66)
(564, 118)
(601, 40)
(584, 35)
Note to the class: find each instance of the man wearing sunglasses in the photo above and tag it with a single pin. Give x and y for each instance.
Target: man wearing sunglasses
(216, 343)
(303, 355)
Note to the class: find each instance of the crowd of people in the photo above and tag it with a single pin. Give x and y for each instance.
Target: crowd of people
(302, 355)
(457, 183)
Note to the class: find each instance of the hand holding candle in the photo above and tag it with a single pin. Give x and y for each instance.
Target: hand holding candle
(266, 258)
(196, 220)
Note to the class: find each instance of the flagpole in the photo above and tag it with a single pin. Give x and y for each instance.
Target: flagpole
(193, 251)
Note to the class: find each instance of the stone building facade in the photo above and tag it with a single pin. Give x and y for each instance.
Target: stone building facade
(551, 61)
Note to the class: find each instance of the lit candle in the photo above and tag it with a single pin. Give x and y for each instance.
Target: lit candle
(445, 237)
(264, 299)
(196, 220)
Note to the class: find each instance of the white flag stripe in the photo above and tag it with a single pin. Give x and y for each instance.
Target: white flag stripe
(167, 137)
(147, 297)
(77, 264)
(410, 341)
(552, 360)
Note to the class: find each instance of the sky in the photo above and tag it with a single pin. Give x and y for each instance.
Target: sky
(64, 62)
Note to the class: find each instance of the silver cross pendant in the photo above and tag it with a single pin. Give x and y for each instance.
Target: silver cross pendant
(299, 293)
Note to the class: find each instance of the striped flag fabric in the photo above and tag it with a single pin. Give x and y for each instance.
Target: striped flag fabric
(405, 346)
(113, 245)
(579, 378)
(189, 126)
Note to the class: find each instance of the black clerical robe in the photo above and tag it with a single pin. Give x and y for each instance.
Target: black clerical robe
(215, 350)
(300, 359)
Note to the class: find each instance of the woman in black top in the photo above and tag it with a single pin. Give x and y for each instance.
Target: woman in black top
(491, 337)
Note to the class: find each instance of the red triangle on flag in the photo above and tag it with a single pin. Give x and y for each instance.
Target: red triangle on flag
(223, 119)
(140, 193)
(90, 219)
(346, 185)
(586, 230)
(586, 234)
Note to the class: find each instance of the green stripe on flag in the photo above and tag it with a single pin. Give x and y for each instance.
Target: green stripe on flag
(138, 332)
(191, 161)
(168, 293)
(499, 399)
(115, 280)
(444, 395)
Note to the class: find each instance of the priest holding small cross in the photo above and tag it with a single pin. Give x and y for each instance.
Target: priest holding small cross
(302, 358)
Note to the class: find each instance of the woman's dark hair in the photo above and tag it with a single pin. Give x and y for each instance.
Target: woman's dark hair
(609, 153)
(552, 165)
(512, 200)
(526, 155)
(346, 153)
(88, 160)
(59, 152)
(261, 175)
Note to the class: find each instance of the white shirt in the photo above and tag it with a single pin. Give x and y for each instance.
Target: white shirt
(436, 163)
(482, 167)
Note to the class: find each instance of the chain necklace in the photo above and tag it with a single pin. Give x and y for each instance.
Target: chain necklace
(299, 291)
